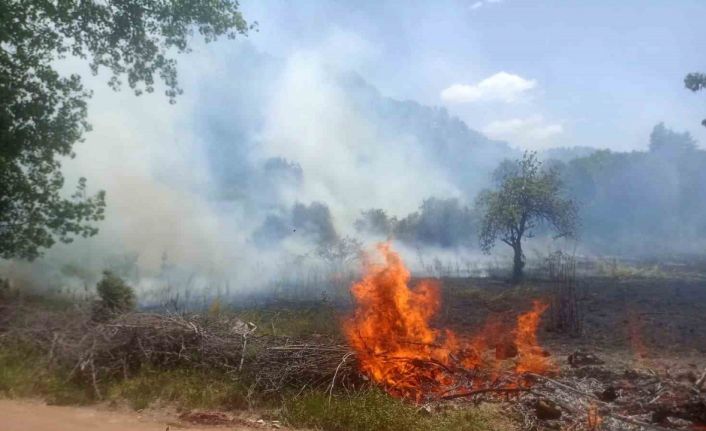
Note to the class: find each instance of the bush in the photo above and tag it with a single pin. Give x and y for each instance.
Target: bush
(116, 297)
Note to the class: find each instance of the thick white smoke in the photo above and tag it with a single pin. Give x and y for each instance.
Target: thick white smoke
(166, 206)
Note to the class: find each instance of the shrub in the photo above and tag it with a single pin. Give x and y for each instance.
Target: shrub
(116, 297)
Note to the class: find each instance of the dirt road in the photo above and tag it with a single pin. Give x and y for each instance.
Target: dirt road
(35, 416)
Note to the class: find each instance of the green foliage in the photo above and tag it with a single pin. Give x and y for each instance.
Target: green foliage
(185, 388)
(115, 296)
(527, 196)
(696, 82)
(43, 114)
(294, 322)
(373, 410)
(24, 374)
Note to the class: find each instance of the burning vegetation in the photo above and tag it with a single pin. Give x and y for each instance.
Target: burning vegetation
(396, 344)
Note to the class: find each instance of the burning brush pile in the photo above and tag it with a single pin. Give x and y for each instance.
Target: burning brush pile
(395, 344)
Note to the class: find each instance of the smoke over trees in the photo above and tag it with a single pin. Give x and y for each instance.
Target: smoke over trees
(43, 114)
(642, 202)
(266, 178)
(313, 222)
(444, 223)
(628, 203)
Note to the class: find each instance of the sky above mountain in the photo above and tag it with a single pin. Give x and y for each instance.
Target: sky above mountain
(538, 74)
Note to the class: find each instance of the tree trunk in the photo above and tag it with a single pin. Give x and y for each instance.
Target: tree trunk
(518, 263)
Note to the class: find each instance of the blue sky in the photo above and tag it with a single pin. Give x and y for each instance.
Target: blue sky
(594, 73)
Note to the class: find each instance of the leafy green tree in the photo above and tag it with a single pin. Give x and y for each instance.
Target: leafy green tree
(696, 82)
(43, 113)
(526, 196)
(115, 296)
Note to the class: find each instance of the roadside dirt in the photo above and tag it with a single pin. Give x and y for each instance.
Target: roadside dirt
(23, 415)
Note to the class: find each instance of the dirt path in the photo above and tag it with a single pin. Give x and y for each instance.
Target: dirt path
(35, 416)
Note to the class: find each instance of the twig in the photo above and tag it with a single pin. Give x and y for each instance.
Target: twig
(333, 380)
(565, 386)
(95, 381)
(701, 380)
(482, 391)
(245, 344)
(636, 422)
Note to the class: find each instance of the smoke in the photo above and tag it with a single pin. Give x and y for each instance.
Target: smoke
(263, 159)
(273, 153)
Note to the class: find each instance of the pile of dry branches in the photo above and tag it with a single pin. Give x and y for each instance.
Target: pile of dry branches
(306, 364)
(96, 351)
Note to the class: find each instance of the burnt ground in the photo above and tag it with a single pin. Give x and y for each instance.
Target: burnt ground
(647, 334)
(632, 322)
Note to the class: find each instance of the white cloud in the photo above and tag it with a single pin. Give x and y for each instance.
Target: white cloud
(479, 4)
(501, 87)
(532, 132)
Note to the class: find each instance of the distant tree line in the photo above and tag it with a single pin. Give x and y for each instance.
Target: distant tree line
(445, 223)
(642, 202)
(639, 203)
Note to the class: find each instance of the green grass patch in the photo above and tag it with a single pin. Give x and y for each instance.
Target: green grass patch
(373, 410)
(620, 270)
(294, 322)
(24, 373)
(185, 388)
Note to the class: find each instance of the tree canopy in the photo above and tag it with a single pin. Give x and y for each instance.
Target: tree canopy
(642, 203)
(526, 196)
(696, 82)
(43, 113)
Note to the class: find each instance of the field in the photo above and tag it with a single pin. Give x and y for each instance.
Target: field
(641, 332)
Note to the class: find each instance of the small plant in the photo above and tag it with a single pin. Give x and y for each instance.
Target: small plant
(215, 309)
(116, 297)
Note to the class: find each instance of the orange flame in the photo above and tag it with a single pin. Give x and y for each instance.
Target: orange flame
(398, 348)
(635, 331)
(531, 357)
(593, 418)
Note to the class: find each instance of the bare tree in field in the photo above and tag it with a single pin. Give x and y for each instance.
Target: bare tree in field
(526, 197)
